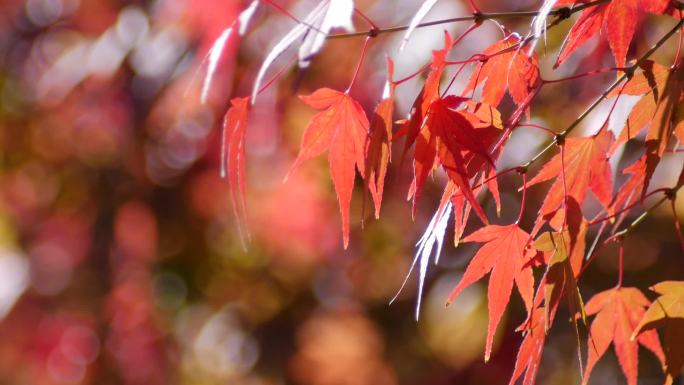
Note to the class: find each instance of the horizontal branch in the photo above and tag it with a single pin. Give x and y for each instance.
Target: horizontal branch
(562, 13)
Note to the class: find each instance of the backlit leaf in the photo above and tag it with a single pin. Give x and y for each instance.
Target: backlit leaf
(504, 254)
(342, 128)
(233, 158)
(618, 312)
(666, 311)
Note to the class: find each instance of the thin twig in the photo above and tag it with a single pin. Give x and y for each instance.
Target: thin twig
(562, 13)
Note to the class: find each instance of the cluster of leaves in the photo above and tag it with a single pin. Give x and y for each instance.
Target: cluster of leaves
(464, 135)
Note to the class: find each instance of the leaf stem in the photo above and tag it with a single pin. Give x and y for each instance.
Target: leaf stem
(522, 200)
(413, 75)
(621, 256)
(565, 187)
(366, 19)
(284, 11)
(474, 6)
(638, 220)
(276, 76)
(582, 75)
(678, 227)
(675, 63)
(677, 224)
(625, 209)
(540, 127)
(358, 65)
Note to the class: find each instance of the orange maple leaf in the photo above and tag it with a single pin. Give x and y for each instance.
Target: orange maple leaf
(585, 164)
(618, 19)
(511, 70)
(379, 150)
(659, 107)
(668, 311)
(342, 128)
(504, 254)
(446, 135)
(618, 312)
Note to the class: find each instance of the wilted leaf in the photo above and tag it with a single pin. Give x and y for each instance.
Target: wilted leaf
(233, 158)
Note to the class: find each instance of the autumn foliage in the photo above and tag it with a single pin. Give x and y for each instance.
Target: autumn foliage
(251, 191)
(464, 135)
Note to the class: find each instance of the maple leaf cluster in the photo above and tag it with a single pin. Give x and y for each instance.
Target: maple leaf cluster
(463, 135)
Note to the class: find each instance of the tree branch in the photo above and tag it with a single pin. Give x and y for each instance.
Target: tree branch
(562, 14)
(628, 72)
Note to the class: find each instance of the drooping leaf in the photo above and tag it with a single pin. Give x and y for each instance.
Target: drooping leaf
(216, 50)
(531, 348)
(622, 16)
(342, 128)
(539, 24)
(462, 210)
(587, 166)
(445, 136)
(379, 150)
(588, 24)
(487, 119)
(571, 222)
(560, 279)
(634, 189)
(428, 94)
(433, 236)
(511, 70)
(666, 311)
(233, 159)
(335, 14)
(246, 16)
(667, 115)
(504, 253)
(618, 312)
(659, 108)
(213, 60)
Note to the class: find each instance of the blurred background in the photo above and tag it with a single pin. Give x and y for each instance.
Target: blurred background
(120, 261)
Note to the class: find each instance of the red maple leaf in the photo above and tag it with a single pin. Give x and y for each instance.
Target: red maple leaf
(504, 254)
(505, 67)
(531, 349)
(584, 164)
(618, 312)
(379, 150)
(447, 135)
(618, 19)
(427, 96)
(634, 189)
(342, 128)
